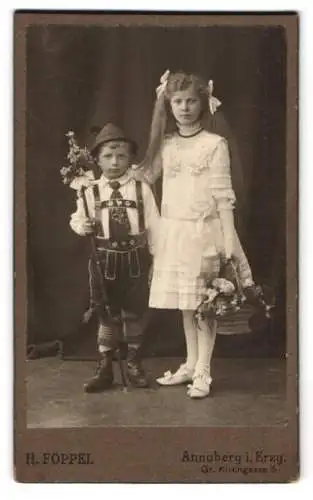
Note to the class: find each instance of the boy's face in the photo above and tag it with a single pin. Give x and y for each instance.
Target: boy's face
(114, 158)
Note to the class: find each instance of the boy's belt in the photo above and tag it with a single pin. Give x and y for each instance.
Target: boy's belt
(126, 245)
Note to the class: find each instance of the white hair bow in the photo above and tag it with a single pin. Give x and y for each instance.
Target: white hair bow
(214, 103)
(163, 82)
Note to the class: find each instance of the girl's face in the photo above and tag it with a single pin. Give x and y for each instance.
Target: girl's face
(114, 159)
(186, 106)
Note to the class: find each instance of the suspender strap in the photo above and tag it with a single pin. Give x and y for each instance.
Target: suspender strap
(99, 205)
(96, 194)
(141, 219)
(118, 203)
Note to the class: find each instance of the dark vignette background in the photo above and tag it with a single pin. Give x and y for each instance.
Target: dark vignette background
(78, 77)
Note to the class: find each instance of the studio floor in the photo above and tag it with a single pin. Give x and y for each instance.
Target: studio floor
(244, 392)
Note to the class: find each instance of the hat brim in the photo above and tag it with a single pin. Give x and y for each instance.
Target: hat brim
(98, 144)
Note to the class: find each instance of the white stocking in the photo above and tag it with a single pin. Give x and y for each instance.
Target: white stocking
(191, 337)
(206, 342)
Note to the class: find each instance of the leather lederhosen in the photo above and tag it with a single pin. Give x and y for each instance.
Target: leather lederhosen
(126, 259)
(125, 266)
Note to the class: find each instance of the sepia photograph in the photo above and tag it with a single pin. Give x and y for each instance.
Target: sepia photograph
(156, 229)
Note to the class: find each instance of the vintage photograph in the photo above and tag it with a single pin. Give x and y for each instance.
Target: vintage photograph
(155, 204)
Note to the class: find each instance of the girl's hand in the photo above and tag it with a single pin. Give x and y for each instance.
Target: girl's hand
(229, 251)
(229, 243)
(150, 275)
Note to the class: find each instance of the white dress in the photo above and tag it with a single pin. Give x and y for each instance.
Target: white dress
(196, 184)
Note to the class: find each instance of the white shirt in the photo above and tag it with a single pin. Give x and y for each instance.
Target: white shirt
(128, 191)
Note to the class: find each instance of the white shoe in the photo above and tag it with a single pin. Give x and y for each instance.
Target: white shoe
(181, 376)
(200, 387)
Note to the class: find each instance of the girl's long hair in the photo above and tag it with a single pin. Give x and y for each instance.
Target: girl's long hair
(163, 124)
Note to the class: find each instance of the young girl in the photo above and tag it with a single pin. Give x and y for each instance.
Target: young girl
(197, 223)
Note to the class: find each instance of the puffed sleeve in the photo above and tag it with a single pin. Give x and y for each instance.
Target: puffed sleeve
(83, 180)
(220, 176)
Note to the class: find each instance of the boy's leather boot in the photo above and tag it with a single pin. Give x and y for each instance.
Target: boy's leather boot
(135, 372)
(103, 378)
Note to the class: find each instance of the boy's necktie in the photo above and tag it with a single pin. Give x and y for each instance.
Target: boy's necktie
(119, 225)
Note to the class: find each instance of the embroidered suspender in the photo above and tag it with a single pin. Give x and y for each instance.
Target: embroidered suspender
(113, 251)
(129, 204)
(141, 219)
(96, 194)
(118, 203)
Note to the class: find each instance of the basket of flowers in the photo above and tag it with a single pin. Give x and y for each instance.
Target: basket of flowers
(237, 309)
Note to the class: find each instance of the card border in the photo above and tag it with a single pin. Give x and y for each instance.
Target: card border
(135, 443)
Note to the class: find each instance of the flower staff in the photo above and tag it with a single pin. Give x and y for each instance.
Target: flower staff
(78, 172)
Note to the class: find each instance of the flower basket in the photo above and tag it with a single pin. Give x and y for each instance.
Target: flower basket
(236, 309)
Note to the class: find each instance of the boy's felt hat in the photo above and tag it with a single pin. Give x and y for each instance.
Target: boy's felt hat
(111, 132)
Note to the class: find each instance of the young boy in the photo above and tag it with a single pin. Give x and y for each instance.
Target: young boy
(124, 219)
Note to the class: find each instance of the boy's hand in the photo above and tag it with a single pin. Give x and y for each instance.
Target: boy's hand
(87, 227)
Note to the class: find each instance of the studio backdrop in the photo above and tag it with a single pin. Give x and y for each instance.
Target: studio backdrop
(80, 77)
